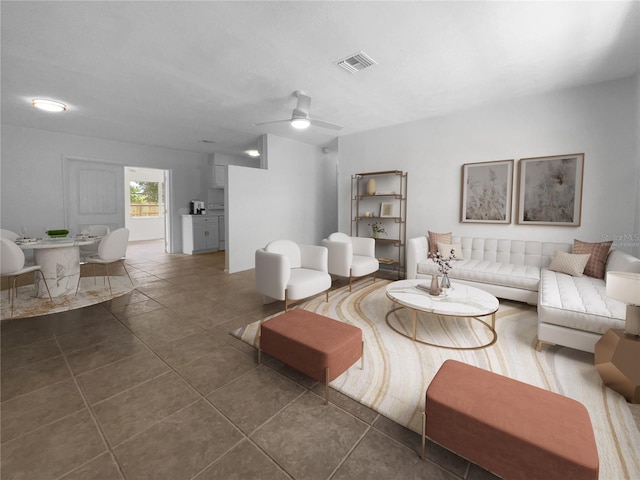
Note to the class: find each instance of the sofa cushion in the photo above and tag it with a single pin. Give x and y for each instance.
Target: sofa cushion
(578, 302)
(569, 263)
(445, 250)
(434, 238)
(506, 274)
(599, 252)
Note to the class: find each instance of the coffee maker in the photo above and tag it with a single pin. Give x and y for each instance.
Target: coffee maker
(196, 207)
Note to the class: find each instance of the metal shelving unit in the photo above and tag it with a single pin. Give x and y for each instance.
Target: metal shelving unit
(387, 206)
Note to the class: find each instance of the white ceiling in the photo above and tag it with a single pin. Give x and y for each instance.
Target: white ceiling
(175, 73)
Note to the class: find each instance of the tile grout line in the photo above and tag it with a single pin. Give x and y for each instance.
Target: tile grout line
(350, 451)
(93, 418)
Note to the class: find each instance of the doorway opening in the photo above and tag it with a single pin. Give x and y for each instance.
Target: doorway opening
(146, 204)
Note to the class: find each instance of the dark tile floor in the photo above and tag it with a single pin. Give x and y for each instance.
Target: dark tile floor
(152, 386)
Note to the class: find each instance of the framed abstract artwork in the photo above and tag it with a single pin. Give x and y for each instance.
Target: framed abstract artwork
(487, 192)
(550, 190)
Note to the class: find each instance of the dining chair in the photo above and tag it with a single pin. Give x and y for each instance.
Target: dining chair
(111, 249)
(8, 234)
(12, 266)
(97, 231)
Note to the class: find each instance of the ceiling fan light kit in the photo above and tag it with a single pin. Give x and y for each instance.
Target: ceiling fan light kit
(300, 123)
(300, 118)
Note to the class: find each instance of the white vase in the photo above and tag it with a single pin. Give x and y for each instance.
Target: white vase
(371, 186)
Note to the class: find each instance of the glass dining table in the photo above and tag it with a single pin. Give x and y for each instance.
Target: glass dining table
(59, 259)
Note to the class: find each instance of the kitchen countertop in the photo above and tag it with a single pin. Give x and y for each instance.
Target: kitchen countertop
(210, 213)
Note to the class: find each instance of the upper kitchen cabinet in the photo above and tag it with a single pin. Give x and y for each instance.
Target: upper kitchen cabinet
(219, 176)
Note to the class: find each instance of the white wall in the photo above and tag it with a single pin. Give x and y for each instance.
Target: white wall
(143, 228)
(215, 195)
(600, 120)
(31, 174)
(295, 199)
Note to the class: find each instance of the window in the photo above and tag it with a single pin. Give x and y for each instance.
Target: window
(146, 199)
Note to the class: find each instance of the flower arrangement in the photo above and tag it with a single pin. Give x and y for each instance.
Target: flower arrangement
(377, 229)
(443, 262)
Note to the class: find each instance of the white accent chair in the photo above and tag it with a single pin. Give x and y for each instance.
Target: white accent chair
(112, 249)
(291, 272)
(97, 231)
(351, 257)
(12, 266)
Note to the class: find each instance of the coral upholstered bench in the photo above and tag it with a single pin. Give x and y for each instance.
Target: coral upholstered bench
(513, 429)
(318, 346)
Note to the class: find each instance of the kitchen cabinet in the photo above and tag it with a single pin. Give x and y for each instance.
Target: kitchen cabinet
(219, 176)
(379, 210)
(200, 234)
(221, 230)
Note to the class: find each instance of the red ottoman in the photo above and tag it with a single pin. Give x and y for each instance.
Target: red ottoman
(513, 429)
(318, 346)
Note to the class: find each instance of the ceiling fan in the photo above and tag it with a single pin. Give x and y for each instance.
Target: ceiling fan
(300, 116)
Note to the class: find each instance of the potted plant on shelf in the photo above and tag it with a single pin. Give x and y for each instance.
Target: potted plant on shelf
(377, 229)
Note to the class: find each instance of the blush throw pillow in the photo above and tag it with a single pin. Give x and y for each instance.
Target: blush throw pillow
(435, 238)
(599, 252)
(445, 250)
(570, 263)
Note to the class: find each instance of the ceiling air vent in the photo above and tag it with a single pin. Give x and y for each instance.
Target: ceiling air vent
(356, 62)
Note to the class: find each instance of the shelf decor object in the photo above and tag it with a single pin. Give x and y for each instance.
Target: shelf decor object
(371, 186)
(550, 190)
(386, 209)
(625, 286)
(487, 192)
(383, 196)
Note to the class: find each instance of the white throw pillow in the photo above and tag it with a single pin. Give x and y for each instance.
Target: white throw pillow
(445, 250)
(570, 263)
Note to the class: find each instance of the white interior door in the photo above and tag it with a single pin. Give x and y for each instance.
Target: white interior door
(94, 193)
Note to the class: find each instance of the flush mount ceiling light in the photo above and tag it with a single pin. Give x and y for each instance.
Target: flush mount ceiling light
(48, 105)
(253, 153)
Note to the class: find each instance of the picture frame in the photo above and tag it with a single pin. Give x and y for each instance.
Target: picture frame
(550, 190)
(487, 192)
(386, 210)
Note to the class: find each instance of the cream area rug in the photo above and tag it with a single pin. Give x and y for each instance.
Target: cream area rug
(90, 292)
(397, 371)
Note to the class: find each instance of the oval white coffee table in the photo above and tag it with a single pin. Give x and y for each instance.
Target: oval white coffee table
(461, 301)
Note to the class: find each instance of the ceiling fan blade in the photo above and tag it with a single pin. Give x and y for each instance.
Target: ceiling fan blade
(325, 124)
(288, 120)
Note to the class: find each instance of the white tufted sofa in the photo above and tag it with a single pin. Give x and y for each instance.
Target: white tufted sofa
(572, 311)
(505, 268)
(575, 311)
